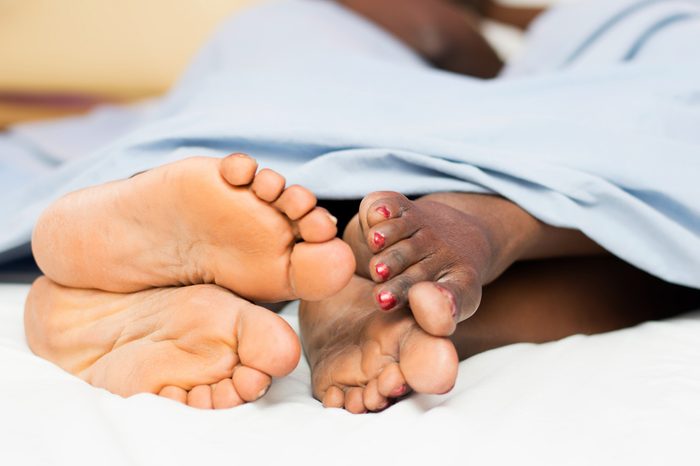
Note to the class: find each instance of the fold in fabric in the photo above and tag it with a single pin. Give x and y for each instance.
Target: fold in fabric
(611, 148)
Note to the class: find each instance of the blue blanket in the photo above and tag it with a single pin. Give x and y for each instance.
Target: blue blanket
(611, 148)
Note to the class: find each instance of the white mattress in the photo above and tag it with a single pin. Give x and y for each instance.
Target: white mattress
(628, 397)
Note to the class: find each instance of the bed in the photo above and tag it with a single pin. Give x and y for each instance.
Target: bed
(626, 397)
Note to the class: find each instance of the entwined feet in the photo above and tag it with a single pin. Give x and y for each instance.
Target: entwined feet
(108, 311)
(146, 280)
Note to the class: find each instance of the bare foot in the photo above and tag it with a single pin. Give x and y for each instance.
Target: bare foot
(361, 359)
(429, 256)
(199, 220)
(200, 345)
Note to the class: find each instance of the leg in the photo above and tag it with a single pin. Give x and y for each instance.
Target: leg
(199, 344)
(200, 220)
(543, 301)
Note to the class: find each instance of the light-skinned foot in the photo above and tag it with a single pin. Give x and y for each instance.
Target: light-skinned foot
(200, 345)
(195, 221)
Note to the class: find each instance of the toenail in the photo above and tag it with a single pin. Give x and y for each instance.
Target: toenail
(384, 211)
(399, 391)
(386, 300)
(382, 270)
(450, 297)
(383, 406)
(378, 239)
(333, 219)
(262, 392)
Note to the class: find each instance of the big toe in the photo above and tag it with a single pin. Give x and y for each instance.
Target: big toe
(428, 363)
(320, 270)
(439, 307)
(266, 343)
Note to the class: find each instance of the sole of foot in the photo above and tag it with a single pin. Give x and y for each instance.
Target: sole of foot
(200, 345)
(363, 360)
(196, 221)
(421, 254)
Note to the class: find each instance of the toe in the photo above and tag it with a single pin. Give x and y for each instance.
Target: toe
(353, 400)
(388, 233)
(439, 307)
(380, 206)
(266, 342)
(250, 384)
(317, 226)
(372, 399)
(393, 294)
(268, 185)
(391, 382)
(295, 202)
(395, 259)
(238, 169)
(200, 397)
(174, 393)
(320, 270)
(429, 363)
(225, 396)
(334, 398)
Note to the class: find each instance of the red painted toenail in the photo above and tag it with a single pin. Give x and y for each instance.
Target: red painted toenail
(386, 300)
(378, 239)
(450, 297)
(384, 211)
(399, 391)
(382, 270)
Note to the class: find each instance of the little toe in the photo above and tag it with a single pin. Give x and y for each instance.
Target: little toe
(224, 395)
(200, 397)
(353, 400)
(268, 185)
(317, 226)
(295, 202)
(372, 399)
(429, 363)
(320, 270)
(174, 393)
(391, 382)
(238, 169)
(380, 206)
(250, 384)
(387, 207)
(334, 398)
(439, 307)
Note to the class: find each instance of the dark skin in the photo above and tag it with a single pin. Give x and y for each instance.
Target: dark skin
(445, 33)
(538, 284)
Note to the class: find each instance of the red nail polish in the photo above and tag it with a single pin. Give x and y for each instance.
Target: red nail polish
(384, 211)
(450, 297)
(378, 239)
(382, 270)
(386, 300)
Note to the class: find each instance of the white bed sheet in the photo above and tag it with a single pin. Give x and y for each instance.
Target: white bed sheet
(627, 397)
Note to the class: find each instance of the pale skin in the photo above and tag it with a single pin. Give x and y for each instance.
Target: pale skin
(113, 310)
(166, 313)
